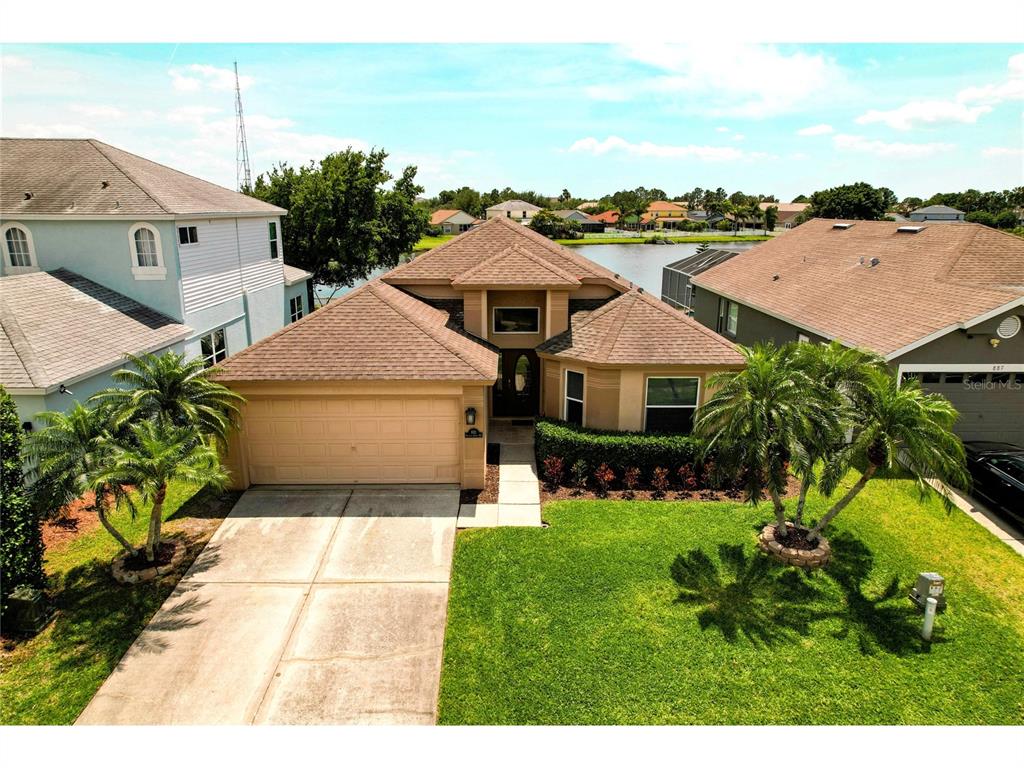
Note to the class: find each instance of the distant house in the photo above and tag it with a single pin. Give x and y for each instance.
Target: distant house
(452, 221)
(590, 205)
(609, 218)
(106, 253)
(708, 218)
(936, 213)
(944, 305)
(664, 215)
(676, 289)
(519, 210)
(586, 223)
(787, 212)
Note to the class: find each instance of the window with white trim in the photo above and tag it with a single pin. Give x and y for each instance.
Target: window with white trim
(272, 234)
(670, 404)
(213, 347)
(728, 317)
(188, 235)
(146, 254)
(295, 307)
(573, 409)
(19, 253)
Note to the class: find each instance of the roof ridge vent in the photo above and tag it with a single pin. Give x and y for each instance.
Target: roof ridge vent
(842, 225)
(909, 229)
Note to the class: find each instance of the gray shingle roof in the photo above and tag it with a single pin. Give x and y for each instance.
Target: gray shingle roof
(293, 275)
(936, 209)
(515, 205)
(58, 326)
(87, 177)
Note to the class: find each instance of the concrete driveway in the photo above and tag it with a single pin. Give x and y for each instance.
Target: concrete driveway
(306, 607)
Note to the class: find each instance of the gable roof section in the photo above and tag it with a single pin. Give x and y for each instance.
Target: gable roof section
(937, 209)
(665, 206)
(784, 207)
(924, 283)
(515, 205)
(293, 275)
(59, 326)
(637, 329)
(438, 217)
(374, 332)
(516, 266)
(67, 177)
(450, 260)
(606, 217)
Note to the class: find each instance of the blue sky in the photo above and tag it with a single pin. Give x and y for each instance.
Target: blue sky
(774, 119)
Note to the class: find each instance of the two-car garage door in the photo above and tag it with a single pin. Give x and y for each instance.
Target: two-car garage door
(346, 439)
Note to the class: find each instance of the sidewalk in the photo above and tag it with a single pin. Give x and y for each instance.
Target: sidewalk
(518, 490)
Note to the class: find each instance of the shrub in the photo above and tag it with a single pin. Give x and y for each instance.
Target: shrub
(687, 478)
(554, 469)
(659, 481)
(579, 473)
(21, 540)
(604, 476)
(619, 450)
(631, 479)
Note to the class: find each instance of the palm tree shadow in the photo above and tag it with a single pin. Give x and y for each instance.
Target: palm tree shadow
(882, 622)
(749, 596)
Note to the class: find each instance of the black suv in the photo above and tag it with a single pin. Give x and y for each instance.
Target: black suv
(997, 470)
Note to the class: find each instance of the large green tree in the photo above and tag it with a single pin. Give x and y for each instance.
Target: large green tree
(771, 218)
(851, 201)
(343, 221)
(555, 227)
(21, 542)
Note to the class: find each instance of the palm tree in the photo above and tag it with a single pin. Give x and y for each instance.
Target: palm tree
(170, 388)
(842, 374)
(66, 457)
(900, 423)
(759, 417)
(157, 454)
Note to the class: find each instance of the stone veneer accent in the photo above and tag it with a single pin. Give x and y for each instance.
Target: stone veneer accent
(802, 558)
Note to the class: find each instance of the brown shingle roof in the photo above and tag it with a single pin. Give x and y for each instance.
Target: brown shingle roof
(58, 326)
(449, 260)
(67, 176)
(637, 329)
(923, 283)
(442, 215)
(374, 332)
(516, 266)
(293, 275)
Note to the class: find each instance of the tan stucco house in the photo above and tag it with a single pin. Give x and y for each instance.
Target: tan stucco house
(396, 381)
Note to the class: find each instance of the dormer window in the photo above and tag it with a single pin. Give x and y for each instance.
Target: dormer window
(147, 255)
(19, 253)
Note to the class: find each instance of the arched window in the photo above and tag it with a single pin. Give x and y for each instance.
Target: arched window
(147, 256)
(19, 252)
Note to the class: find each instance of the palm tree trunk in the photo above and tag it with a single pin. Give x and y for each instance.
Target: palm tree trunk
(155, 519)
(102, 512)
(840, 505)
(780, 513)
(805, 486)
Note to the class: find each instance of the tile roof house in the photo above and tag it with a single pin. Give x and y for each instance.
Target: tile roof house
(945, 302)
(607, 217)
(397, 381)
(452, 221)
(787, 212)
(80, 215)
(520, 210)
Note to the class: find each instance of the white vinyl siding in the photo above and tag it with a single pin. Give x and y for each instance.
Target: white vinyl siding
(231, 254)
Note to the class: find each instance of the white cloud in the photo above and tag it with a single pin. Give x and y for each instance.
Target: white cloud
(726, 83)
(196, 77)
(738, 137)
(1002, 152)
(815, 130)
(915, 113)
(97, 111)
(722, 129)
(889, 149)
(968, 105)
(10, 61)
(593, 146)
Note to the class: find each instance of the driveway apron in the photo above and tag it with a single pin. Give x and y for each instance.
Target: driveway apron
(308, 606)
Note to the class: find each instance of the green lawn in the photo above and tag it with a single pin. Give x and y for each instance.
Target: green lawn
(693, 238)
(50, 678)
(582, 622)
(431, 241)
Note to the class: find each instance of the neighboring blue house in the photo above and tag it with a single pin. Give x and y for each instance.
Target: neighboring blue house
(105, 253)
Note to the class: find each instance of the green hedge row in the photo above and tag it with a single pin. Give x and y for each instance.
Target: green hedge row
(619, 449)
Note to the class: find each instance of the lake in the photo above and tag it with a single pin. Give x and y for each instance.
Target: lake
(640, 263)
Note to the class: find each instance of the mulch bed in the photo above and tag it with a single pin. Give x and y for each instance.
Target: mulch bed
(795, 538)
(563, 493)
(75, 519)
(138, 561)
(489, 494)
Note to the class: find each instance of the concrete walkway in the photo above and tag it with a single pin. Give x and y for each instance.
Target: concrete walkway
(306, 607)
(1002, 529)
(518, 489)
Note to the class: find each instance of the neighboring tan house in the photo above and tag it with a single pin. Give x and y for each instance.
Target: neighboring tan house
(519, 210)
(937, 213)
(106, 253)
(452, 222)
(585, 222)
(943, 304)
(664, 215)
(396, 382)
(786, 214)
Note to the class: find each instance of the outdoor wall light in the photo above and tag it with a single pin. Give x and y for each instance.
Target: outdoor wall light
(471, 416)
(64, 390)
(994, 342)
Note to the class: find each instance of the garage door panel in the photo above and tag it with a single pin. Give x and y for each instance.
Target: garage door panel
(354, 440)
